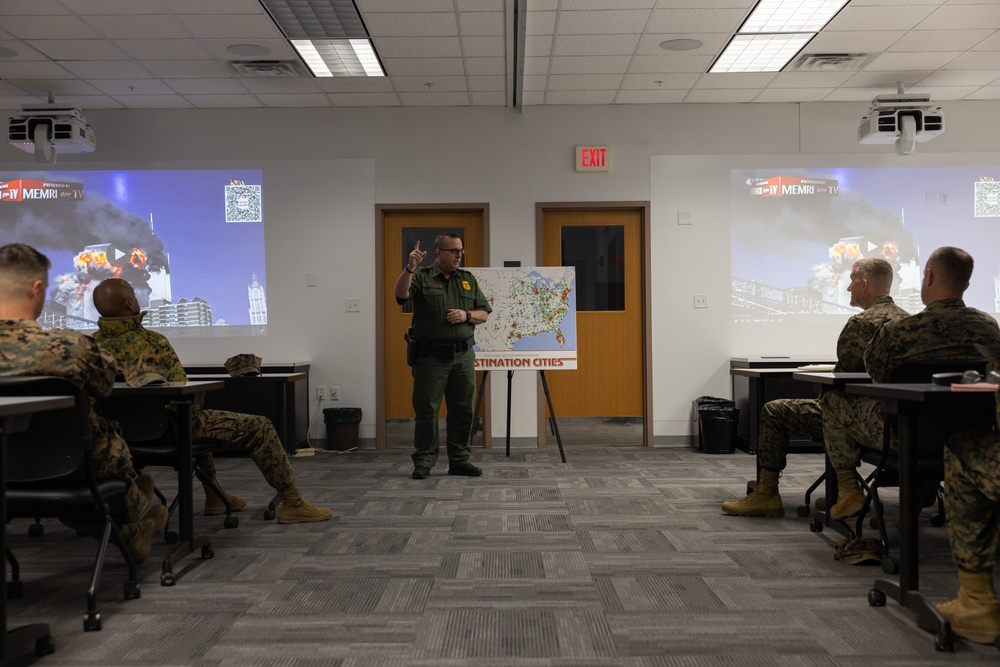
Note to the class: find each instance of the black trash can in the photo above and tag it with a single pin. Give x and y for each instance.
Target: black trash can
(718, 419)
(342, 428)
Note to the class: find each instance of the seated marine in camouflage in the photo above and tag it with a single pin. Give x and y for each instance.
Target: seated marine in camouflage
(140, 350)
(871, 279)
(27, 349)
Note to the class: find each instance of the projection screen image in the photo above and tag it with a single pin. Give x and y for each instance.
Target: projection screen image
(796, 232)
(191, 243)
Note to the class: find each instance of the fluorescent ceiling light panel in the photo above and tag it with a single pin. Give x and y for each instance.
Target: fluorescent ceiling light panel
(760, 53)
(791, 15)
(339, 57)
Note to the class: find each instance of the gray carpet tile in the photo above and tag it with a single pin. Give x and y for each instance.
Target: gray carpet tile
(621, 557)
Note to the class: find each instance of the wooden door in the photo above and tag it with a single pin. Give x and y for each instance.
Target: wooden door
(605, 244)
(400, 230)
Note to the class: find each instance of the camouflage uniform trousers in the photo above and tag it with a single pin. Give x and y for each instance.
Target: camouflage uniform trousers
(850, 422)
(113, 460)
(253, 433)
(780, 418)
(972, 499)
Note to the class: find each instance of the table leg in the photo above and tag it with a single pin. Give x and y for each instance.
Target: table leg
(188, 542)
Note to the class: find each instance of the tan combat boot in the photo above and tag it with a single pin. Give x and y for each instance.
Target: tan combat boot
(850, 499)
(138, 536)
(296, 509)
(764, 501)
(975, 613)
(213, 503)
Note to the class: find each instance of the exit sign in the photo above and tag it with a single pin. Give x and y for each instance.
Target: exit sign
(593, 158)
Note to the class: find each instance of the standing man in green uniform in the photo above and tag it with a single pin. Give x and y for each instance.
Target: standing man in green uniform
(447, 306)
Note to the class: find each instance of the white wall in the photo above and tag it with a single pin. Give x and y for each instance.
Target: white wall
(507, 158)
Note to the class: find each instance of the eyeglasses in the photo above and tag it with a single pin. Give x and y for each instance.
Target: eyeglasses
(455, 251)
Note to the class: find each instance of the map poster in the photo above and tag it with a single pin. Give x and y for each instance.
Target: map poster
(533, 323)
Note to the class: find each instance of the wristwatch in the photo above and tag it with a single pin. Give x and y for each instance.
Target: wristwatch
(468, 316)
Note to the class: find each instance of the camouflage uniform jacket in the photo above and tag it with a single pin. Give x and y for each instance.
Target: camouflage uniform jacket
(945, 329)
(27, 349)
(131, 343)
(859, 330)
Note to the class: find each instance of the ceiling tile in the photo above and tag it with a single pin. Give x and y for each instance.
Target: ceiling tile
(122, 87)
(137, 27)
(943, 93)
(595, 45)
(295, 100)
(430, 24)
(354, 84)
(233, 27)
(60, 88)
(590, 65)
(584, 82)
(163, 49)
(791, 95)
(911, 61)
(839, 41)
(485, 66)
(212, 6)
(32, 70)
(435, 99)
(713, 42)
(960, 77)
(481, 23)
(186, 87)
(482, 84)
(985, 93)
(962, 17)
(390, 6)
(716, 96)
(488, 98)
(650, 96)
(33, 7)
(79, 49)
(695, 20)
(540, 23)
(659, 81)
(154, 102)
(86, 102)
(432, 84)
(88, 7)
(481, 47)
(278, 49)
(601, 22)
(23, 50)
(805, 80)
(532, 99)
(183, 69)
(975, 60)
(991, 43)
(424, 66)
(671, 63)
(107, 69)
(223, 101)
(364, 99)
(577, 5)
(940, 40)
(858, 17)
(538, 45)
(733, 80)
(580, 97)
(418, 47)
(44, 27)
(273, 86)
(884, 83)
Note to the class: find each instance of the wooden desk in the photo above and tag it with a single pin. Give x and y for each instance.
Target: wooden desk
(757, 380)
(15, 412)
(183, 395)
(270, 394)
(827, 382)
(951, 410)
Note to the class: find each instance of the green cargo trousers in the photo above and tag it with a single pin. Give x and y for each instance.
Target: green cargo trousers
(455, 381)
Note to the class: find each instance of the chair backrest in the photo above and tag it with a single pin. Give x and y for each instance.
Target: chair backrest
(141, 418)
(56, 443)
(921, 370)
(936, 431)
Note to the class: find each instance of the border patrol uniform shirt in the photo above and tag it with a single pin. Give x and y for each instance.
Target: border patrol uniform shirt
(432, 296)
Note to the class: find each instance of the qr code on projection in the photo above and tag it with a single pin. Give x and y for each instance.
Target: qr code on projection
(987, 199)
(243, 203)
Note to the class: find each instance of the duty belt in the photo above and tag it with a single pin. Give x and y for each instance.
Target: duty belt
(438, 349)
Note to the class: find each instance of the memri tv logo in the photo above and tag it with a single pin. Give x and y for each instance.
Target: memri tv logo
(24, 189)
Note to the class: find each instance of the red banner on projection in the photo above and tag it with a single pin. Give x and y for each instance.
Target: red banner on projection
(24, 189)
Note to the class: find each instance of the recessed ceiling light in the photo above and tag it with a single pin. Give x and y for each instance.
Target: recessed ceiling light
(681, 44)
(248, 49)
(760, 53)
(339, 57)
(7, 53)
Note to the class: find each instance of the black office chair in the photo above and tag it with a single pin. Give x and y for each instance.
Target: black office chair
(50, 474)
(148, 428)
(930, 467)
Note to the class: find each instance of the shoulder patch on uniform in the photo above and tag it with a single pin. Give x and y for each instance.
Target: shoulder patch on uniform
(466, 285)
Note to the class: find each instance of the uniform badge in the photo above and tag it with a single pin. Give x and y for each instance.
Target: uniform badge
(466, 285)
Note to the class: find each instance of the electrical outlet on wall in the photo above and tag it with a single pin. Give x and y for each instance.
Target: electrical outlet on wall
(320, 392)
(334, 393)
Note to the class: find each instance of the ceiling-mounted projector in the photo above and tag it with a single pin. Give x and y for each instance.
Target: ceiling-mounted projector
(48, 129)
(903, 120)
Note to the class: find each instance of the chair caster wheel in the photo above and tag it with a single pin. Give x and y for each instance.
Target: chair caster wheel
(937, 520)
(206, 552)
(92, 622)
(45, 645)
(873, 523)
(944, 643)
(816, 526)
(132, 590)
(36, 530)
(889, 566)
(269, 515)
(170, 537)
(876, 598)
(230, 522)
(802, 510)
(167, 579)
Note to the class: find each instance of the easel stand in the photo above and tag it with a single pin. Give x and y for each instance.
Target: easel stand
(548, 400)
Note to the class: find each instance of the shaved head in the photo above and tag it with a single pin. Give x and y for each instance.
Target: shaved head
(115, 297)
